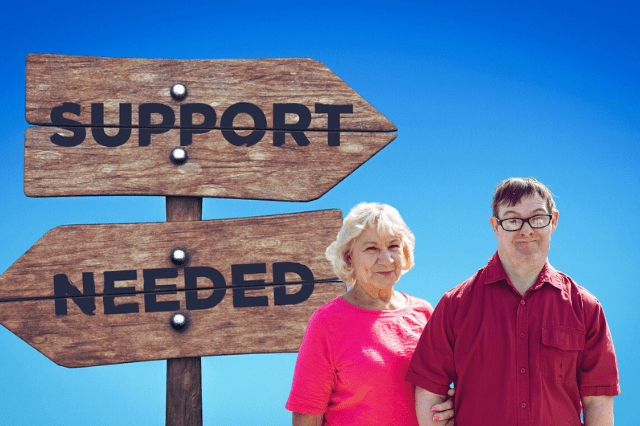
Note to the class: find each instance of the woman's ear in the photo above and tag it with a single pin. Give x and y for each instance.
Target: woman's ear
(406, 257)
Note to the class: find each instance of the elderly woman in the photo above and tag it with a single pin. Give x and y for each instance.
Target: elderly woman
(356, 350)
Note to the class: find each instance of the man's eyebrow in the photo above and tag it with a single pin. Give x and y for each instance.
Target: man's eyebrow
(515, 212)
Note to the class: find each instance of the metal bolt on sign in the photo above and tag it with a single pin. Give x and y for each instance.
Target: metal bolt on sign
(178, 322)
(179, 257)
(179, 156)
(178, 92)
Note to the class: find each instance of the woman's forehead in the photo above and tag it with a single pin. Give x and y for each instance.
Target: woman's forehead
(370, 234)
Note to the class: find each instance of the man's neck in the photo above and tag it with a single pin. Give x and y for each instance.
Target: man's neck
(523, 276)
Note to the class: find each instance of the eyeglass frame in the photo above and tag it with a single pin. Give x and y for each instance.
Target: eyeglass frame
(550, 216)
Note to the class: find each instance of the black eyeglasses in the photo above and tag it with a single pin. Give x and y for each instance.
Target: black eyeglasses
(515, 223)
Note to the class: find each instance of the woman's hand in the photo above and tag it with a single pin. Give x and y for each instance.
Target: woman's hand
(444, 410)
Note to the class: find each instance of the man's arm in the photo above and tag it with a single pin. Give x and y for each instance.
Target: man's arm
(425, 400)
(598, 410)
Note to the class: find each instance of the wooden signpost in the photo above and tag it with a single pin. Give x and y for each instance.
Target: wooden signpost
(273, 129)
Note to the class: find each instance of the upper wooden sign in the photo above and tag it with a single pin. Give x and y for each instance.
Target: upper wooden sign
(274, 129)
(88, 295)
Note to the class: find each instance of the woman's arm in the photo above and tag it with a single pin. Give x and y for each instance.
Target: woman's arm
(444, 410)
(299, 419)
(425, 400)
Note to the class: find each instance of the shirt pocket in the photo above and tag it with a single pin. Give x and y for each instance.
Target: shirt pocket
(559, 352)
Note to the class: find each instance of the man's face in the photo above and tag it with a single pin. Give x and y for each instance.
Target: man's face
(527, 246)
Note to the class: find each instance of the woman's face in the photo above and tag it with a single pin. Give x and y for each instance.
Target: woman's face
(377, 260)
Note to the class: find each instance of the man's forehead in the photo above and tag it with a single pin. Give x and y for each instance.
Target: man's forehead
(525, 204)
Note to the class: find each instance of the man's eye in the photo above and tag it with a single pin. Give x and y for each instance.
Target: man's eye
(537, 220)
(513, 222)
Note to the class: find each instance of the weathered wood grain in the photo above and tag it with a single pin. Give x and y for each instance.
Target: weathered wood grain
(215, 168)
(54, 79)
(74, 249)
(184, 375)
(184, 392)
(77, 339)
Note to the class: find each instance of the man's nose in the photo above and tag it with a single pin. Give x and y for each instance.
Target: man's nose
(526, 229)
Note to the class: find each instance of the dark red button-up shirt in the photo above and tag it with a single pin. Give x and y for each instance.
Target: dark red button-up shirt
(517, 360)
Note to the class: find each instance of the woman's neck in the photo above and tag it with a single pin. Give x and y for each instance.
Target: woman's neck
(375, 299)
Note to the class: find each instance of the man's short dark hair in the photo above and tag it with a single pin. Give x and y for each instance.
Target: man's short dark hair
(509, 193)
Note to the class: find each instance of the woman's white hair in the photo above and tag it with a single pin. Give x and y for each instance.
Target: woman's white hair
(380, 217)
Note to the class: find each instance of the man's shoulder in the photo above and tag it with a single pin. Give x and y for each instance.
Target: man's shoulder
(573, 289)
(467, 287)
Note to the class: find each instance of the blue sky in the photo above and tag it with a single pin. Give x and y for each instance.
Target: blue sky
(479, 93)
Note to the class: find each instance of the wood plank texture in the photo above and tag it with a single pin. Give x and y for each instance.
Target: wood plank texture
(215, 168)
(54, 79)
(184, 392)
(27, 302)
(78, 340)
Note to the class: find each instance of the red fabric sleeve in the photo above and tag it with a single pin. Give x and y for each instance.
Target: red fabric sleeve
(598, 370)
(432, 366)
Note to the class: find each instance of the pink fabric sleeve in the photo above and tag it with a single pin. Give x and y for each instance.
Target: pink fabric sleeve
(314, 374)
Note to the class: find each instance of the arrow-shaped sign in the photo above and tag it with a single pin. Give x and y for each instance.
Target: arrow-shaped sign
(273, 129)
(87, 295)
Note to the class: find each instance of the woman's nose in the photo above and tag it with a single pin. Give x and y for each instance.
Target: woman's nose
(384, 257)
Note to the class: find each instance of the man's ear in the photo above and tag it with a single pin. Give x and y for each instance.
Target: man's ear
(494, 225)
(554, 220)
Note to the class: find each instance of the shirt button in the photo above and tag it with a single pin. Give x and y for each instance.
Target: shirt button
(522, 302)
(522, 335)
(522, 370)
(523, 405)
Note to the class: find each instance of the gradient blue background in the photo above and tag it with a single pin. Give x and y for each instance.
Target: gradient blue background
(479, 93)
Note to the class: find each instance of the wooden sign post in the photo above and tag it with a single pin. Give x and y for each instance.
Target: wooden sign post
(184, 375)
(273, 129)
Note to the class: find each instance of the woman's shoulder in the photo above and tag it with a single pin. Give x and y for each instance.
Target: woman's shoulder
(336, 307)
(419, 304)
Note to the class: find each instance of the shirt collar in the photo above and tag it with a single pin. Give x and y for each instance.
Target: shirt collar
(494, 272)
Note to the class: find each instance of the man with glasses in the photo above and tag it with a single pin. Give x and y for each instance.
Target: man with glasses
(522, 342)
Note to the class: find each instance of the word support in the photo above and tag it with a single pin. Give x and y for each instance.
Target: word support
(207, 119)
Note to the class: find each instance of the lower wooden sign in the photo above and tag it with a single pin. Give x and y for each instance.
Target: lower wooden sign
(88, 295)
